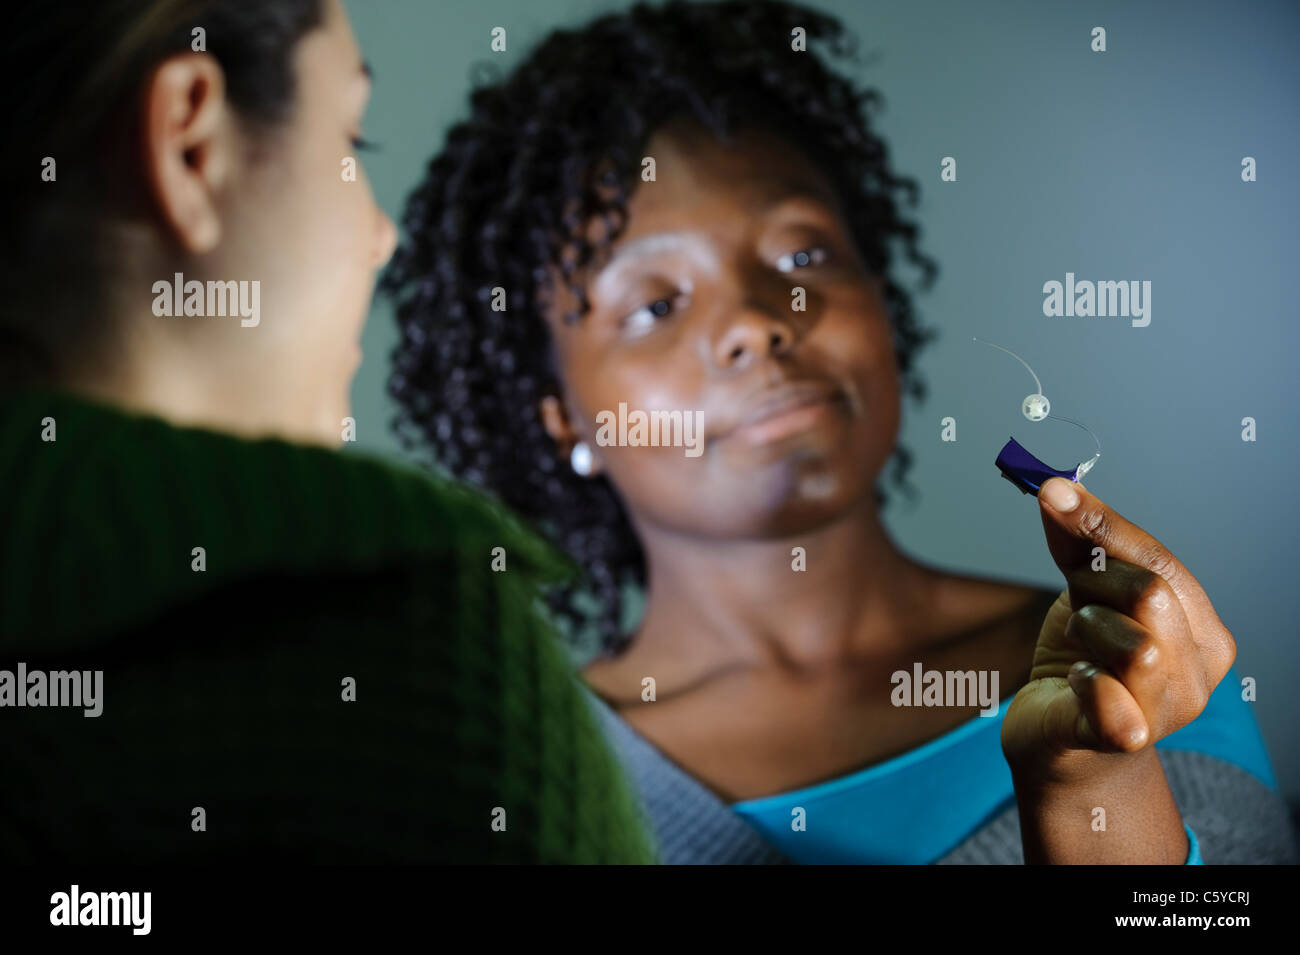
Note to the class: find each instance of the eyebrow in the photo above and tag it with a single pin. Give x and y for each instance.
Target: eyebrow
(660, 242)
(653, 245)
(804, 199)
(645, 247)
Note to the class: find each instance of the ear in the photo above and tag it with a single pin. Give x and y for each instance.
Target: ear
(555, 419)
(189, 146)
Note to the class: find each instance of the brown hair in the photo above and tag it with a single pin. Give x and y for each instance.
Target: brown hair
(77, 74)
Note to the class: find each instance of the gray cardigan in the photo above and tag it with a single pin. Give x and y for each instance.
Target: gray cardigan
(1237, 819)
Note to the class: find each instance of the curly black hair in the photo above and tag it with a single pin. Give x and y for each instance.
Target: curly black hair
(544, 151)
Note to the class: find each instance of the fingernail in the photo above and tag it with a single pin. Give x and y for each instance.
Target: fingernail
(1060, 495)
(1079, 674)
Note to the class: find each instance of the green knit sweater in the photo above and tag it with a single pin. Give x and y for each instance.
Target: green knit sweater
(340, 675)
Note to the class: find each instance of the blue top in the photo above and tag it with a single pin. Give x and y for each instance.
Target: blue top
(912, 794)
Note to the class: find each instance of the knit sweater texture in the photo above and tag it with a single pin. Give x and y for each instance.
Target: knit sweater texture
(338, 675)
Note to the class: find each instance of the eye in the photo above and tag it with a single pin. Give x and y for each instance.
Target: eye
(801, 259)
(364, 145)
(644, 319)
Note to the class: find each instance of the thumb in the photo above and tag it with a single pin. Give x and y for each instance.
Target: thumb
(1059, 503)
(1065, 721)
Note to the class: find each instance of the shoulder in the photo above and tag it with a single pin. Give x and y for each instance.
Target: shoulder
(176, 513)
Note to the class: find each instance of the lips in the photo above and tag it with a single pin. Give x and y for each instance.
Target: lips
(786, 408)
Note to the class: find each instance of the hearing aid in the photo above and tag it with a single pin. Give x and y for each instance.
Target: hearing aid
(1017, 464)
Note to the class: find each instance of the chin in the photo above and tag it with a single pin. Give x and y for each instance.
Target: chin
(812, 508)
(792, 498)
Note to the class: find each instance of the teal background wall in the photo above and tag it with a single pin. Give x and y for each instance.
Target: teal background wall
(1117, 165)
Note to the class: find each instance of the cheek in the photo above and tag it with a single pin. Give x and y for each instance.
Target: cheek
(856, 340)
(641, 380)
(641, 384)
(338, 228)
(857, 329)
(325, 231)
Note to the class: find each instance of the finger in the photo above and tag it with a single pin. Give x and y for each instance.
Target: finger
(1107, 710)
(1076, 522)
(1074, 534)
(1169, 692)
(1134, 592)
(1077, 534)
(1072, 537)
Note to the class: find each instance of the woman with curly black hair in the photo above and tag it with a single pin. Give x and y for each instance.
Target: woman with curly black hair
(682, 210)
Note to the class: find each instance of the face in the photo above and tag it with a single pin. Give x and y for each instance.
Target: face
(697, 310)
(314, 238)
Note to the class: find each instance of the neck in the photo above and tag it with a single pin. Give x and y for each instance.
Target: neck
(182, 369)
(745, 603)
(150, 376)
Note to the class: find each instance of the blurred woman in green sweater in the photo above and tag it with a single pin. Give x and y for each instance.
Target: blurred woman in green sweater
(294, 654)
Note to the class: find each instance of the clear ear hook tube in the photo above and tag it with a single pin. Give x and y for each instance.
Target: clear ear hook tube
(1019, 466)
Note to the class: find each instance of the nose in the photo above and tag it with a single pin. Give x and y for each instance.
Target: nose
(385, 238)
(752, 334)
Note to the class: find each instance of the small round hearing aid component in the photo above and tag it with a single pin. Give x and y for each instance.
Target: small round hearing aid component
(1019, 466)
(1035, 407)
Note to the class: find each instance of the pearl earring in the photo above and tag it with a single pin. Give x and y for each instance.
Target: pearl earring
(580, 459)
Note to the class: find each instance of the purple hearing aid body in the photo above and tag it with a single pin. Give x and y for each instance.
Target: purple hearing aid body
(1027, 472)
